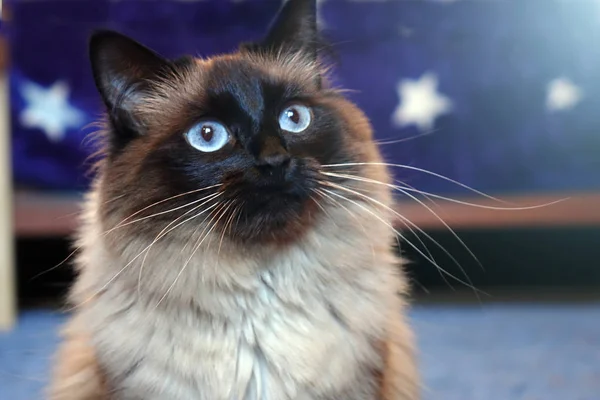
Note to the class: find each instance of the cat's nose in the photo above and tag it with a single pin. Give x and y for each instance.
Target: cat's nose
(272, 155)
(275, 165)
(275, 160)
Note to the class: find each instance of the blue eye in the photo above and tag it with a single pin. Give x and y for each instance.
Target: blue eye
(208, 136)
(295, 118)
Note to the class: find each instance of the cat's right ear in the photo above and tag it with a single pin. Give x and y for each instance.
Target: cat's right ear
(294, 29)
(122, 70)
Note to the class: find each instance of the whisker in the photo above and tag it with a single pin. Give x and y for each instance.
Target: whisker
(402, 236)
(71, 254)
(420, 285)
(428, 198)
(135, 258)
(407, 223)
(323, 208)
(454, 234)
(225, 226)
(76, 213)
(337, 203)
(214, 224)
(466, 203)
(237, 219)
(493, 208)
(420, 170)
(160, 235)
(123, 224)
(165, 200)
(236, 212)
(187, 242)
(406, 139)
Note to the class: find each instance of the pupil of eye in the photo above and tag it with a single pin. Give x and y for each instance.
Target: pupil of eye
(294, 116)
(207, 133)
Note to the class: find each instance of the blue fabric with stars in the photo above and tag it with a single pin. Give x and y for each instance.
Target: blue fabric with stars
(502, 96)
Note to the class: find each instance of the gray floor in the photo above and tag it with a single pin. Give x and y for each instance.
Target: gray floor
(489, 351)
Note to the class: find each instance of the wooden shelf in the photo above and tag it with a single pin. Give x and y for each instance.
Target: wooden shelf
(41, 214)
(45, 214)
(578, 209)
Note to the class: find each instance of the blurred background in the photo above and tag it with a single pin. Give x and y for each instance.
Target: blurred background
(501, 96)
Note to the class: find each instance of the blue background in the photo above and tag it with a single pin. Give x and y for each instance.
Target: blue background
(493, 59)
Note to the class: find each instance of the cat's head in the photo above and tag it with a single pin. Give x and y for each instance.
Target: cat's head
(234, 143)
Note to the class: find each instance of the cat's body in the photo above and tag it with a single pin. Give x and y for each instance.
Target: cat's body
(304, 302)
(299, 324)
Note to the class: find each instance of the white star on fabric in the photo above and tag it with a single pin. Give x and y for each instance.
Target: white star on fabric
(420, 103)
(49, 110)
(562, 94)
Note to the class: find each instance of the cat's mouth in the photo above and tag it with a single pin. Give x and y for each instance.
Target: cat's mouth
(272, 211)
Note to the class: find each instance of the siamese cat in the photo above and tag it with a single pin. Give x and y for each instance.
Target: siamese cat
(225, 253)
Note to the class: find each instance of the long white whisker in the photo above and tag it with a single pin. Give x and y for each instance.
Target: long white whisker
(133, 260)
(71, 254)
(409, 222)
(227, 222)
(416, 235)
(402, 236)
(428, 198)
(353, 215)
(407, 225)
(466, 203)
(411, 189)
(337, 203)
(236, 212)
(122, 223)
(420, 170)
(323, 208)
(191, 256)
(406, 139)
(463, 244)
(239, 216)
(452, 232)
(167, 199)
(160, 235)
(191, 203)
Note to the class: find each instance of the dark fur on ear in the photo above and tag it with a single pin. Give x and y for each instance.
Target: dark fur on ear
(122, 70)
(293, 30)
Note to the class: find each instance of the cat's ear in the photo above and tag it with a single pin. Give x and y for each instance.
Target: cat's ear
(294, 29)
(122, 70)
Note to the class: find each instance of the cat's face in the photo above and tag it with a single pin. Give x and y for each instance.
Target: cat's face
(245, 134)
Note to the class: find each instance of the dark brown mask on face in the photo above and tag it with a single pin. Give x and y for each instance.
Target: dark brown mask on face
(244, 134)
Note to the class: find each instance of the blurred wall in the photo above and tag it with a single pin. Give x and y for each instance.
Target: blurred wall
(504, 94)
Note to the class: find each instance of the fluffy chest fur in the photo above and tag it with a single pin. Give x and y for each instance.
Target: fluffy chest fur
(304, 323)
(267, 350)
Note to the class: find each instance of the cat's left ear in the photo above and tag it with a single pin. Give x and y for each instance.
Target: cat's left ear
(294, 29)
(122, 69)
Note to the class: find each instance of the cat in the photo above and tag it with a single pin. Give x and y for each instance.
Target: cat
(225, 253)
